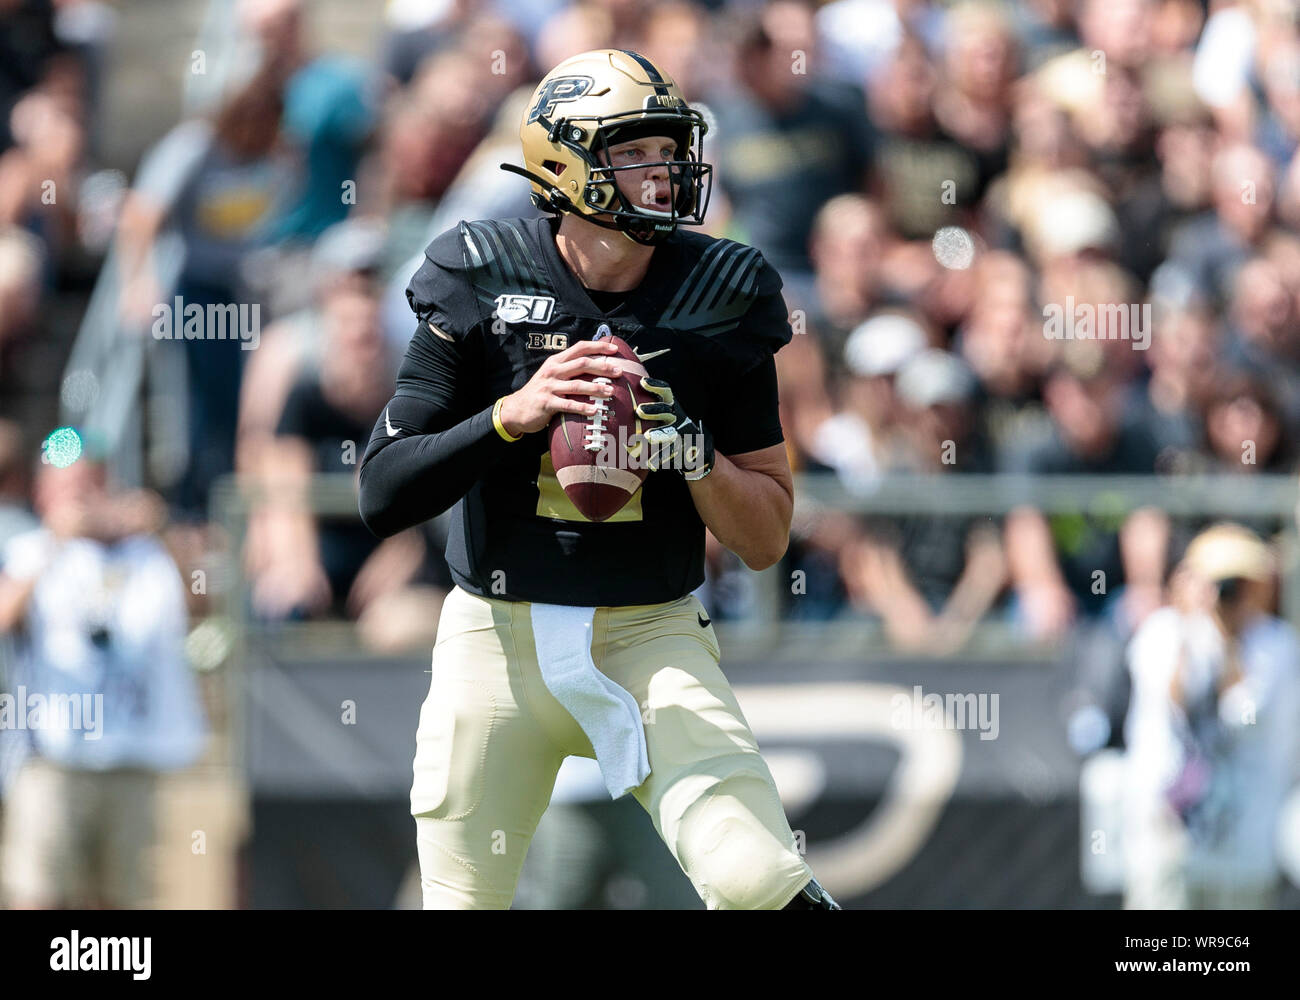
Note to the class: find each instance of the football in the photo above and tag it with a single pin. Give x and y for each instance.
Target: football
(590, 454)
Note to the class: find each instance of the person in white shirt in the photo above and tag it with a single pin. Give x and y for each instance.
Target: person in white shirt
(1211, 733)
(102, 691)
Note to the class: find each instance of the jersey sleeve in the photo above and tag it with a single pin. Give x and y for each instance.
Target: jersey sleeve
(746, 414)
(765, 327)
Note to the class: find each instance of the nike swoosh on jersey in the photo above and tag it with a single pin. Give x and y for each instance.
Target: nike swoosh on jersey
(388, 425)
(653, 354)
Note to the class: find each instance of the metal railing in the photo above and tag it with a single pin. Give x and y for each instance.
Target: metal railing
(1209, 496)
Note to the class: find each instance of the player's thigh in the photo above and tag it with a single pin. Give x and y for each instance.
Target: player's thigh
(710, 793)
(484, 764)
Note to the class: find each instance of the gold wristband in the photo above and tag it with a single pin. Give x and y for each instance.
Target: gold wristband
(496, 421)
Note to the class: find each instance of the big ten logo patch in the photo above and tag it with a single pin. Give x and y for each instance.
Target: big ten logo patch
(548, 341)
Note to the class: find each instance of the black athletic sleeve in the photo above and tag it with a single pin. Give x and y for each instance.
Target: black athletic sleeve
(435, 438)
(438, 446)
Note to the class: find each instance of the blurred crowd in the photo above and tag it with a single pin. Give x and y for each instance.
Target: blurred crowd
(1032, 236)
(933, 181)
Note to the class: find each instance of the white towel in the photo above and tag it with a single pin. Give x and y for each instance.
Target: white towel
(606, 712)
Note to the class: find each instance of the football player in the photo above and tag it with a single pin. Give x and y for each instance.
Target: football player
(515, 318)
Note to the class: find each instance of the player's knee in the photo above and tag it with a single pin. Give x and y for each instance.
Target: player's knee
(735, 860)
(455, 878)
(437, 894)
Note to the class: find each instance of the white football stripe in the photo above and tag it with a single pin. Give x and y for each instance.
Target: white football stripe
(573, 474)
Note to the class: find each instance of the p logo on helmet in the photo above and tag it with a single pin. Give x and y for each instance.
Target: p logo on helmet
(557, 91)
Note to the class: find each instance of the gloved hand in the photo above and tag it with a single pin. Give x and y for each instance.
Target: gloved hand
(677, 441)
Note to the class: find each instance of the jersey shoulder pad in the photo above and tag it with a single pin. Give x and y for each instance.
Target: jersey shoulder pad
(495, 255)
(729, 293)
(442, 297)
(720, 280)
(465, 270)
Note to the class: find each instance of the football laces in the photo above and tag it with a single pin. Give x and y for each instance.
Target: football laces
(595, 439)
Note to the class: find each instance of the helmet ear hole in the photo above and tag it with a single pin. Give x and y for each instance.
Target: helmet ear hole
(553, 166)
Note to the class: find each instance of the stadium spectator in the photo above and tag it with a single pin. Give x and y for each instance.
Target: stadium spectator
(1002, 341)
(29, 46)
(788, 140)
(41, 173)
(1243, 424)
(1184, 366)
(568, 30)
(679, 31)
(1209, 249)
(858, 35)
(306, 565)
(1263, 338)
(931, 578)
(972, 103)
(99, 607)
(328, 116)
(924, 178)
(860, 440)
(346, 260)
(1064, 565)
(1277, 131)
(847, 248)
(1045, 28)
(1210, 733)
(414, 31)
(218, 185)
(23, 362)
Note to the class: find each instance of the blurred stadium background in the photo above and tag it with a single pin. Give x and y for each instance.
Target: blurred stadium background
(987, 512)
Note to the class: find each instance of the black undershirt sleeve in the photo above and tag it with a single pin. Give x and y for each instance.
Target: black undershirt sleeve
(444, 441)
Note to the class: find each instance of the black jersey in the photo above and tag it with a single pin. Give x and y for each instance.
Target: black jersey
(494, 300)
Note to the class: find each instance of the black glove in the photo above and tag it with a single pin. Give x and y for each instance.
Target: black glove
(676, 442)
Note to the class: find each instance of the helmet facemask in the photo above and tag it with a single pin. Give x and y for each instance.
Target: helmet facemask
(690, 180)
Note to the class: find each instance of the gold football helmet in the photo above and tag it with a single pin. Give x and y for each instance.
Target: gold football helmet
(598, 99)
